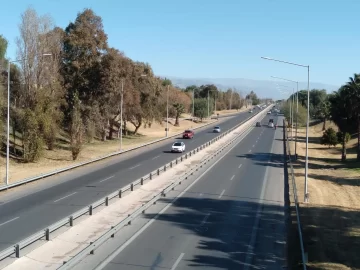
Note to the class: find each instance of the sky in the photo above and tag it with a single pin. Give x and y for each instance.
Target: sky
(219, 38)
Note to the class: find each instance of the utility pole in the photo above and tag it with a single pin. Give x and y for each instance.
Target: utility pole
(121, 113)
(167, 110)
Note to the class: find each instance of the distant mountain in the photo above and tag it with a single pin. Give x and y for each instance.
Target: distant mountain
(263, 88)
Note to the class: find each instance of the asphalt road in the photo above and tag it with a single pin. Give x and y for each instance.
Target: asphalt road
(232, 218)
(32, 212)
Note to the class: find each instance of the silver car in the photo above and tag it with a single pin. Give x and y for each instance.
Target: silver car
(216, 130)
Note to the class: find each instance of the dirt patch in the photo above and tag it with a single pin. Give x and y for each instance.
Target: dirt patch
(331, 220)
(61, 157)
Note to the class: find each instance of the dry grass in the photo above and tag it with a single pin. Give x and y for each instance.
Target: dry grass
(61, 157)
(331, 221)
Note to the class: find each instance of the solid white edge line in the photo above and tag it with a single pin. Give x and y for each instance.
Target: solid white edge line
(65, 197)
(221, 194)
(6, 222)
(232, 177)
(249, 253)
(106, 179)
(177, 261)
(132, 238)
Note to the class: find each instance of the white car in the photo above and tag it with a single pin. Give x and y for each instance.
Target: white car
(271, 124)
(178, 147)
(216, 130)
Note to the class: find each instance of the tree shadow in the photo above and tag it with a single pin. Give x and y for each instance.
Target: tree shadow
(262, 159)
(228, 230)
(315, 140)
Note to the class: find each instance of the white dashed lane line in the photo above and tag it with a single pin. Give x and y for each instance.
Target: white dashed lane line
(6, 222)
(67, 196)
(131, 168)
(106, 179)
(232, 177)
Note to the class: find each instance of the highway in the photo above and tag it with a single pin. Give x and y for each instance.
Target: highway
(20, 216)
(232, 218)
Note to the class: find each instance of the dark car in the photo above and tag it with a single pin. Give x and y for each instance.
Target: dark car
(271, 120)
(188, 134)
(258, 124)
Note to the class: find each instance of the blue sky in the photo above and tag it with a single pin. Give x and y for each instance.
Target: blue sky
(219, 39)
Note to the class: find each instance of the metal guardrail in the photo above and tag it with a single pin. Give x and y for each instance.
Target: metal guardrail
(45, 233)
(44, 175)
(303, 258)
(111, 232)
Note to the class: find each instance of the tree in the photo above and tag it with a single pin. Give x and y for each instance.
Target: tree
(352, 89)
(253, 97)
(76, 128)
(324, 111)
(3, 47)
(179, 108)
(85, 43)
(201, 108)
(329, 137)
(343, 138)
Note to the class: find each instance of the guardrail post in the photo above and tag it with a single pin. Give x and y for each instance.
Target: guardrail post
(141, 181)
(163, 193)
(113, 235)
(190, 153)
(129, 220)
(90, 210)
(150, 176)
(120, 191)
(17, 251)
(171, 164)
(186, 155)
(71, 221)
(92, 251)
(158, 171)
(176, 161)
(164, 168)
(107, 201)
(132, 187)
(181, 158)
(47, 234)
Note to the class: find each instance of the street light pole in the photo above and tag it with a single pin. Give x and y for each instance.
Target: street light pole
(297, 109)
(8, 127)
(208, 98)
(121, 113)
(193, 105)
(306, 194)
(167, 109)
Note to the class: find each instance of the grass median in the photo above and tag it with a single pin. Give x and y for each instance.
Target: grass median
(330, 221)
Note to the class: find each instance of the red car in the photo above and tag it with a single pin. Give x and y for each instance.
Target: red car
(188, 134)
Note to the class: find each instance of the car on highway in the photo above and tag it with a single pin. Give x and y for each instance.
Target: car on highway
(258, 124)
(178, 147)
(188, 134)
(271, 124)
(271, 120)
(269, 112)
(216, 129)
(250, 111)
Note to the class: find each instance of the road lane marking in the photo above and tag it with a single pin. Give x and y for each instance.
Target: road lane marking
(249, 256)
(240, 166)
(177, 261)
(250, 151)
(232, 177)
(6, 222)
(222, 193)
(147, 225)
(205, 219)
(254, 145)
(200, 194)
(156, 157)
(106, 179)
(65, 197)
(134, 167)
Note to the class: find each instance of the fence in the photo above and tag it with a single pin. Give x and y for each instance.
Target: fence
(292, 176)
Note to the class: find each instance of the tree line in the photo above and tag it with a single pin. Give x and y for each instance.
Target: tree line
(342, 107)
(71, 81)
